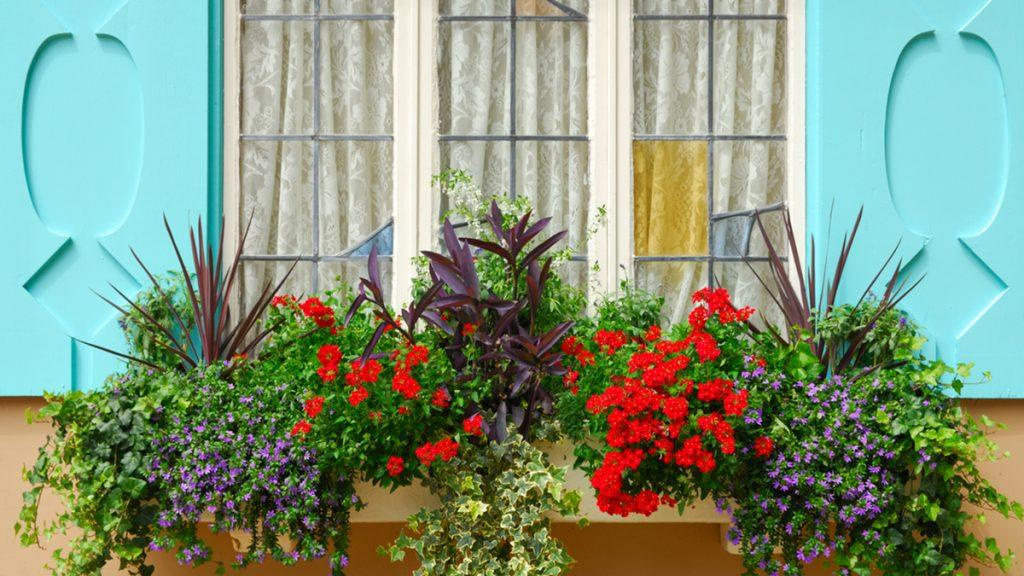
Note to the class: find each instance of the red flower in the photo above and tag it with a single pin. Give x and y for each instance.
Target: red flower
(714, 390)
(735, 403)
(610, 340)
(322, 315)
(395, 466)
(425, 454)
(698, 317)
(329, 355)
(313, 406)
(301, 427)
(440, 399)
(405, 384)
(706, 462)
(709, 422)
(468, 329)
(403, 410)
(445, 449)
(474, 425)
(653, 333)
(327, 373)
(705, 345)
(358, 395)
(282, 300)
(763, 447)
(571, 346)
(363, 373)
(417, 355)
(570, 377)
(676, 408)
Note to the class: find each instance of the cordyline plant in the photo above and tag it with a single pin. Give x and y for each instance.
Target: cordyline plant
(212, 335)
(806, 301)
(487, 336)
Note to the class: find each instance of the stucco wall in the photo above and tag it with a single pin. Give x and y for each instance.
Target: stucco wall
(600, 549)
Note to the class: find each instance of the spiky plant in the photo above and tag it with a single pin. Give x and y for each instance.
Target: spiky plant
(805, 300)
(213, 335)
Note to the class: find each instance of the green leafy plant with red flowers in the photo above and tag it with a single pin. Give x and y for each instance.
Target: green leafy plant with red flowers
(659, 417)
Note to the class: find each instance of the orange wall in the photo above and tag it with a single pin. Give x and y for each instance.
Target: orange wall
(600, 549)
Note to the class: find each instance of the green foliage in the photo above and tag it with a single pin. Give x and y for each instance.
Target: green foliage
(493, 519)
(162, 303)
(96, 463)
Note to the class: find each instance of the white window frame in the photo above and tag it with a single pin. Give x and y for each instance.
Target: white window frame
(415, 152)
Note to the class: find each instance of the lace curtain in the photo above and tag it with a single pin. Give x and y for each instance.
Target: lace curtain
(671, 84)
(355, 98)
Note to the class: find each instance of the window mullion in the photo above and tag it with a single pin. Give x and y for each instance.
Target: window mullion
(622, 219)
(604, 166)
(406, 196)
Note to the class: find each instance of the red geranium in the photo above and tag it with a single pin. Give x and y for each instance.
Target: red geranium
(474, 425)
(395, 466)
(301, 427)
(313, 406)
(763, 447)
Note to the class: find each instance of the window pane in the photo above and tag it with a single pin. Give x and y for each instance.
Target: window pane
(335, 275)
(675, 281)
(553, 175)
(670, 201)
(741, 280)
(277, 77)
(486, 162)
(750, 77)
(749, 174)
(750, 7)
(473, 62)
(670, 7)
(277, 7)
(277, 192)
(356, 78)
(738, 235)
(355, 195)
(476, 7)
(670, 77)
(358, 6)
(576, 273)
(256, 275)
(551, 78)
(551, 8)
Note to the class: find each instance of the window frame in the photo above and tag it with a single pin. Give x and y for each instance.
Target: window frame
(610, 134)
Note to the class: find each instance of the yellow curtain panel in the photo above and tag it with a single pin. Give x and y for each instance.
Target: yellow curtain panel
(670, 208)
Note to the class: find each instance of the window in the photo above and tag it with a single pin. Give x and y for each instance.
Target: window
(315, 142)
(513, 109)
(709, 144)
(673, 119)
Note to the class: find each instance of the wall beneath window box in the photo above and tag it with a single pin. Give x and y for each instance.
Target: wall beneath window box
(601, 549)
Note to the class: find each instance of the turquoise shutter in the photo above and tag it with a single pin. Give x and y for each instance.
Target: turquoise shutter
(105, 125)
(916, 112)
